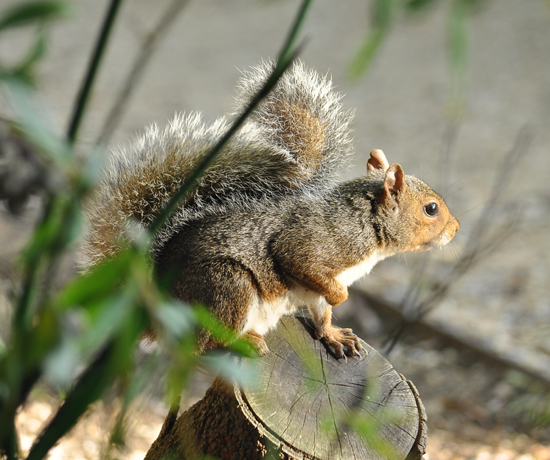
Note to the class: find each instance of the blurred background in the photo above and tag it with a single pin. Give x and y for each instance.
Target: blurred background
(476, 127)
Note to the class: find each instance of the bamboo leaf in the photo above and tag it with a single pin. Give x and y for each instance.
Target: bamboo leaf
(227, 366)
(30, 12)
(417, 5)
(98, 283)
(366, 53)
(25, 69)
(176, 318)
(384, 12)
(59, 229)
(221, 332)
(30, 123)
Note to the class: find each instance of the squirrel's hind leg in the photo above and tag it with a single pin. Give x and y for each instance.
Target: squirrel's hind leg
(228, 290)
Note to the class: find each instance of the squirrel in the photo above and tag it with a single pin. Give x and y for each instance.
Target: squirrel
(268, 228)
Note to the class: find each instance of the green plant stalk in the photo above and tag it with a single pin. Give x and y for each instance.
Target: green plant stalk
(89, 388)
(26, 302)
(98, 54)
(12, 448)
(198, 172)
(287, 50)
(18, 387)
(458, 54)
(28, 296)
(286, 57)
(112, 362)
(20, 384)
(140, 63)
(50, 238)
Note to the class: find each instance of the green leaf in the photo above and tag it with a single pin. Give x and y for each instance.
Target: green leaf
(458, 50)
(222, 333)
(30, 12)
(416, 5)
(107, 319)
(366, 53)
(59, 229)
(227, 366)
(176, 318)
(25, 70)
(384, 14)
(60, 365)
(100, 282)
(32, 125)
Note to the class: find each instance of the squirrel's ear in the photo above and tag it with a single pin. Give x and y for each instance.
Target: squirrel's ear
(377, 161)
(394, 185)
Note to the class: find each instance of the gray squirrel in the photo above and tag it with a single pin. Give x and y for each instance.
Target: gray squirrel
(268, 229)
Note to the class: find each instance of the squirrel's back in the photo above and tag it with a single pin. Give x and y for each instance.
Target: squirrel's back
(295, 143)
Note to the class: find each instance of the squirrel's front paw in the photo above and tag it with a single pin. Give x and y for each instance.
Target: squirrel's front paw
(338, 338)
(257, 342)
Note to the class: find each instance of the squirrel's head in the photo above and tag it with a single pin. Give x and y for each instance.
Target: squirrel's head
(421, 216)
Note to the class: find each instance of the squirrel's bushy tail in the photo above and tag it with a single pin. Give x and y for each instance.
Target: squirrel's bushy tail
(295, 143)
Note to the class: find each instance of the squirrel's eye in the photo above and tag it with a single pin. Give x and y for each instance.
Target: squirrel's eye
(431, 209)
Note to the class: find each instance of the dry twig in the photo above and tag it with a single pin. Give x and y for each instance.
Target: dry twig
(479, 246)
(149, 46)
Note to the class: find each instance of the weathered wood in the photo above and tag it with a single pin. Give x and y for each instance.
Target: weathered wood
(308, 400)
(305, 405)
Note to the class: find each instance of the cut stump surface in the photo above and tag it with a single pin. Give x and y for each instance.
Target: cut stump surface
(311, 403)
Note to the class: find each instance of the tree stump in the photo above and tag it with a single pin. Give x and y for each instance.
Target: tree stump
(306, 404)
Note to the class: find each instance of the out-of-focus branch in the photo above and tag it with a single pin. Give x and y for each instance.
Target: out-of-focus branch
(479, 245)
(99, 52)
(455, 337)
(148, 48)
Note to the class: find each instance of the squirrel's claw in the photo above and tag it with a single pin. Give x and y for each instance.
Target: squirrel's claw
(338, 338)
(257, 342)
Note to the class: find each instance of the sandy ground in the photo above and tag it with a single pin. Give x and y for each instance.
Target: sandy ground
(88, 440)
(401, 107)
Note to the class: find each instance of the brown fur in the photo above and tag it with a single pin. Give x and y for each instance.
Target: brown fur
(267, 228)
(233, 261)
(305, 135)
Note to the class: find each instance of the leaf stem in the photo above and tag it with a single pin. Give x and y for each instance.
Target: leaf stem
(286, 57)
(139, 65)
(86, 88)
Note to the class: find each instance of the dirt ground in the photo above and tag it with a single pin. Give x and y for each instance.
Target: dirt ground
(401, 107)
(87, 441)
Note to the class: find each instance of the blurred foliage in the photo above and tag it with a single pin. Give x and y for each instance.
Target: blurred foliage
(83, 338)
(530, 404)
(33, 14)
(384, 15)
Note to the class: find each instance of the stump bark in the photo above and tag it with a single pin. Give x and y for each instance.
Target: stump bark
(305, 404)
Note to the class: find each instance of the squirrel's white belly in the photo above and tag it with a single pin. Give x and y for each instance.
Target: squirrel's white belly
(264, 315)
(357, 271)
